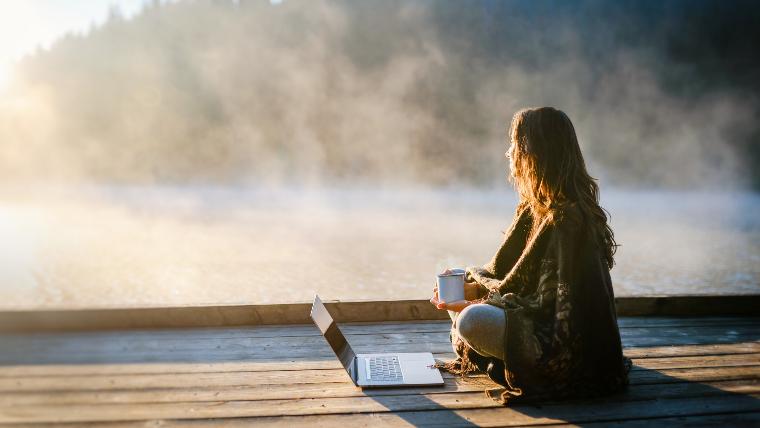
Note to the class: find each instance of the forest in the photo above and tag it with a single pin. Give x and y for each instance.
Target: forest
(662, 94)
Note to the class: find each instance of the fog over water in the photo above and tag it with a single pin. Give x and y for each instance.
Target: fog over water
(137, 246)
(207, 152)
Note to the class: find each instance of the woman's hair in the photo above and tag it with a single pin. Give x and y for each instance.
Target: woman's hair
(549, 172)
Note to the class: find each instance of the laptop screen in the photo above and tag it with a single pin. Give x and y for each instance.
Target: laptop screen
(332, 333)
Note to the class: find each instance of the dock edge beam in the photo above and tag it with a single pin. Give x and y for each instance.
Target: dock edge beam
(349, 311)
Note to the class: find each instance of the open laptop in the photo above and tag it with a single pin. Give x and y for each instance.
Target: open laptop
(375, 370)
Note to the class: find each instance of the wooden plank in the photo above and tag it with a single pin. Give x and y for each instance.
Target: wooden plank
(298, 313)
(282, 345)
(697, 361)
(323, 359)
(74, 376)
(309, 330)
(356, 333)
(306, 391)
(675, 377)
(684, 321)
(321, 376)
(249, 392)
(174, 380)
(706, 305)
(426, 410)
(744, 419)
(58, 370)
(284, 353)
(329, 362)
(683, 355)
(687, 340)
(698, 374)
(692, 350)
(442, 328)
(751, 419)
(683, 371)
(97, 347)
(355, 329)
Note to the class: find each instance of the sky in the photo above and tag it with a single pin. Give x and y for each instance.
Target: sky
(26, 25)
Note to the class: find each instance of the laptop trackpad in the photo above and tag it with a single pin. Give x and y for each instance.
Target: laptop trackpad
(417, 368)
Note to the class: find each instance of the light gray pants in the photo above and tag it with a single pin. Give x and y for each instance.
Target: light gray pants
(481, 327)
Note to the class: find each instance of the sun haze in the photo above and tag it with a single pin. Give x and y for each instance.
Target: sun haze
(26, 25)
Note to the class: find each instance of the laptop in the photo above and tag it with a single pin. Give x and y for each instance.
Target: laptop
(375, 370)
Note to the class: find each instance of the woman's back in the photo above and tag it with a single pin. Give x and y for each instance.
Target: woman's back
(551, 274)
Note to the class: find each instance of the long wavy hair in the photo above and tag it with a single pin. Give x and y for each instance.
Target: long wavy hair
(549, 173)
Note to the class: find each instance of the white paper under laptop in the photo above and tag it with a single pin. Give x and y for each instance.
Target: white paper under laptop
(375, 370)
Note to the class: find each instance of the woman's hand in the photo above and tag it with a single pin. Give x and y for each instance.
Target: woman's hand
(457, 306)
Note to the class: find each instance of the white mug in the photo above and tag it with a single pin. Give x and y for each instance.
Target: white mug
(451, 286)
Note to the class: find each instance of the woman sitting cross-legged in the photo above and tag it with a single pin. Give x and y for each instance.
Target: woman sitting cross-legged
(539, 318)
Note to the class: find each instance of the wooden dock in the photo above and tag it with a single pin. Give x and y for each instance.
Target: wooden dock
(687, 371)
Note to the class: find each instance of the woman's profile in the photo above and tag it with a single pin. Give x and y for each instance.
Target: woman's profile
(539, 318)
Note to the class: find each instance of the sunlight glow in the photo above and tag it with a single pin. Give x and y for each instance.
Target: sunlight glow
(26, 25)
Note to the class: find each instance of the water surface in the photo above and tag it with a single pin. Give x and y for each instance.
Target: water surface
(133, 246)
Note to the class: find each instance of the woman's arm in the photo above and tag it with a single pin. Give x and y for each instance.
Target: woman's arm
(491, 276)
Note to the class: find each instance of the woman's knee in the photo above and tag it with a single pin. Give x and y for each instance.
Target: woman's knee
(481, 326)
(472, 319)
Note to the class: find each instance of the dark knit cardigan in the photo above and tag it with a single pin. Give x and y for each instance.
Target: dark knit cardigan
(562, 338)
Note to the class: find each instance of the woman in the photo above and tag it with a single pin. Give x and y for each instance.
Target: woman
(539, 318)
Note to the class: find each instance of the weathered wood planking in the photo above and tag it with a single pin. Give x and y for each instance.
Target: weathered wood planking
(640, 391)
(709, 380)
(65, 343)
(313, 384)
(385, 327)
(359, 311)
(418, 409)
(745, 419)
(669, 356)
(660, 357)
(312, 379)
(297, 343)
(200, 345)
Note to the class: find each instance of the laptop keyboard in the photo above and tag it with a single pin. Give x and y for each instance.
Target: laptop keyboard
(383, 369)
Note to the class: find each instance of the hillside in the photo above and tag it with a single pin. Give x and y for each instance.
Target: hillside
(392, 92)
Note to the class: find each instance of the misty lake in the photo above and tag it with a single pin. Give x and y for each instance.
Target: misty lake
(154, 246)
